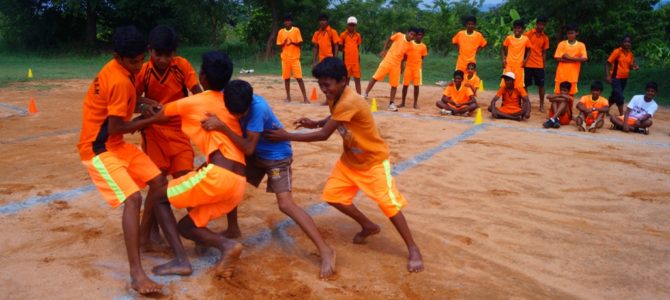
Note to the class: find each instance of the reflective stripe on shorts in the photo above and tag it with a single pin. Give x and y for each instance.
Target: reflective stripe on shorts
(190, 183)
(389, 183)
(100, 167)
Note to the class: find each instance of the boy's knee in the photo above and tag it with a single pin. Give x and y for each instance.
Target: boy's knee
(133, 201)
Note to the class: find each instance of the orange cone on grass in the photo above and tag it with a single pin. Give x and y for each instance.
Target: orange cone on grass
(32, 108)
(313, 96)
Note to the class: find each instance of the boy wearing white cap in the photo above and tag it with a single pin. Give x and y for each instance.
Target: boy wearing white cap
(515, 103)
(350, 41)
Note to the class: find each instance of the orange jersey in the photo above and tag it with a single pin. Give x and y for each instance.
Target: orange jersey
(398, 49)
(459, 95)
(569, 71)
(468, 45)
(112, 93)
(415, 55)
(511, 98)
(539, 43)
(621, 62)
(289, 52)
(589, 103)
(174, 84)
(473, 82)
(363, 145)
(516, 50)
(326, 39)
(350, 47)
(193, 109)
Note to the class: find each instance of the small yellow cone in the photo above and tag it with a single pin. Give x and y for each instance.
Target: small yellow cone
(481, 85)
(30, 73)
(373, 107)
(478, 117)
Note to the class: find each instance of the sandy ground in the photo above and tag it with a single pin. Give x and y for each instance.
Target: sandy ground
(502, 210)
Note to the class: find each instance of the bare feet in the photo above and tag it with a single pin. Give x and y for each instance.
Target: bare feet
(287, 100)
(415, 263)
(401, 105)
(541, 108)
(305, 102)
(416, 106)
(144, 285)
(231, 233)
(327, 264)
(229, 257)
(173, 267)
(360, 237)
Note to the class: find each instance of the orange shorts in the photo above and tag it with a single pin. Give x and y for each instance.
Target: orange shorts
(573, 88)
(413, 75)
(462, 64)
(169, 148)
(453, 107)
(510, 109)
(388, 69)
(291, 66)
(631, 120)
(353, 70)
(591, 118)
(208, 193)
(566, 117)
(376, 182)
(121, 172)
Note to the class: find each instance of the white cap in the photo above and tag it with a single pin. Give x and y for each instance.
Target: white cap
(508, 74)
(352, 20)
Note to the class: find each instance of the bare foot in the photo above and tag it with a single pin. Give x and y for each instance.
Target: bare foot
(541, 108)
(327, 265)
(229, 259)
(416, 106)
(231, 233)
(173, 267)
(415, 263)
(359, 238)
(401, 105)
(145, 285)
(287, 100)
(305, 102)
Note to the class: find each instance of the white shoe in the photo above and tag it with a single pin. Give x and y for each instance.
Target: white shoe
(392, 107)
(365, 96)
(445, 112)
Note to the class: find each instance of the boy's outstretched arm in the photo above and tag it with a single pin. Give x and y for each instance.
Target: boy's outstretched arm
(247, 145)
(328, 126)
(117, 125)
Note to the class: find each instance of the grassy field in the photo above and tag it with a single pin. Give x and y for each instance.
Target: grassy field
(14, 68)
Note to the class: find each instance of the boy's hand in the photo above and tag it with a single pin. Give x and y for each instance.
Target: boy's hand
(211, 122)
(305, 123)
(159, 116)
(635, 67)
(276, 135)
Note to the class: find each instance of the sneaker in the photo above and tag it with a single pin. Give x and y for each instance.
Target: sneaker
(581, 125)
(548, 124)
(445, 112)
(596, 125)
(644, 131)
(365, 96)
(392, 107)
(557, 124)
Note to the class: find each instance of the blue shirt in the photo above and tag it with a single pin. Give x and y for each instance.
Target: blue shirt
(260, 118)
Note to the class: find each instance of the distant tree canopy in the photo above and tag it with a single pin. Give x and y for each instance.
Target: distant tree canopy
(44, 24)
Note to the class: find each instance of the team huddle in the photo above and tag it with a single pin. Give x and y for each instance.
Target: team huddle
(243, 141)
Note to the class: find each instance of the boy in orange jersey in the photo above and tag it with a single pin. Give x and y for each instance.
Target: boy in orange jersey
(515, 52)
(471, 80)
(560, 112)
(592, 109)
(163, 79)
(617, 71)
(351, 40)
(325, 40)
(515, 103)
(469, 42)
(391, 63)
(217, 187)
(364, 164)
(457, 98)
(534, 70)
(290, 40)
(414, 62)
(119, 169)
(570, 55)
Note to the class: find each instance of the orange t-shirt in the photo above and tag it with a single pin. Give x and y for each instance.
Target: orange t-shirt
(363, 145)
(474, 82)
(415, 55)
(350, 47)
(326, 39)
(569, 71)
(289, 52)
(589, 103)
(511, 98)
(516, 50)
(621, 63)
(193, 109)
(459, 95)
(468, 44)
(112, 93)
(174, 84)
(398, 49)
(539, 43)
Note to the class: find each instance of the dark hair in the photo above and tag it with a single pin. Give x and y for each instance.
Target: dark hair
(459, 73)
(288, 17)
(330, 67)
(323, 17)
(570, 27)
(218, 68)
(651, 85)
(471, 64)
(163, 39)
(597, 86)
(128, 41)
(565, 85)
(238, 95)
(518, 23)
(412, 29)
(541, 19)
(470, 19)
(626, 36)
(420, 30)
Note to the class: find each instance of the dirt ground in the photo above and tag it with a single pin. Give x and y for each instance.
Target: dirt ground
(502, 210)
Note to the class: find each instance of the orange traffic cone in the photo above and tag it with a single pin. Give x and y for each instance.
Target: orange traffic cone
(32, 108)
(313, 96)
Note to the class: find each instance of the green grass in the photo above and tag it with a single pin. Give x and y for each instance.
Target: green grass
(14, 68)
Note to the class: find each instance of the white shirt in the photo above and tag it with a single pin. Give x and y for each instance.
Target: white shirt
(638, 107)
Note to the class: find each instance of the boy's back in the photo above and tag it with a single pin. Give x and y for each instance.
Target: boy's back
(260, 118)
